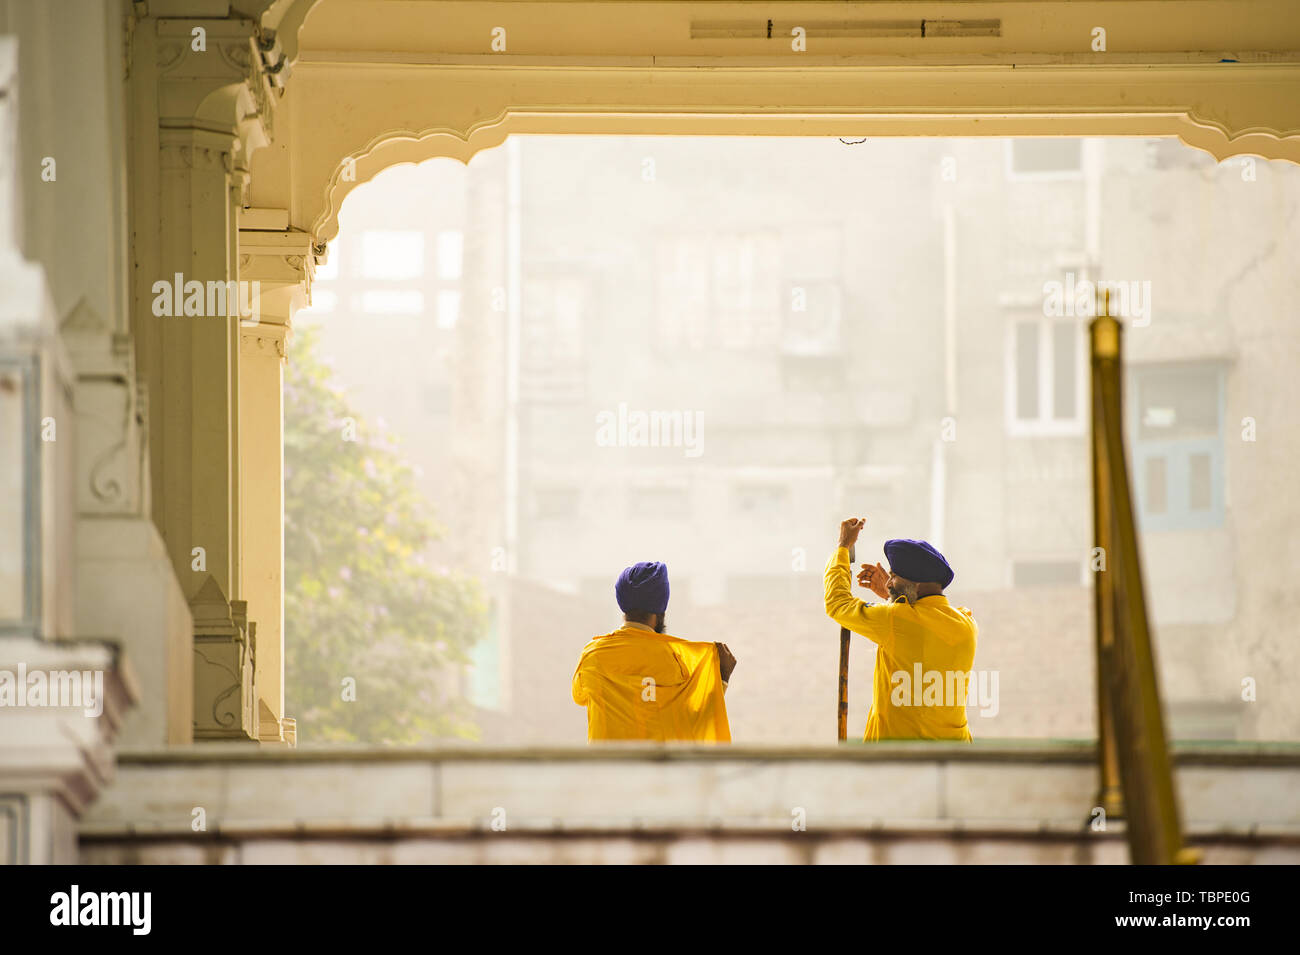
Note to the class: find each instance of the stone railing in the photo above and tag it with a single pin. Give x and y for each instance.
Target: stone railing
(990, 802)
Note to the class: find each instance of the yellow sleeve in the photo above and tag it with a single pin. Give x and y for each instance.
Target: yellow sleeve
(684, 666)
(580, 695)
(872, 621)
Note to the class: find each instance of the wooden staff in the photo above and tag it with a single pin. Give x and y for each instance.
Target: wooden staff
(843, 709)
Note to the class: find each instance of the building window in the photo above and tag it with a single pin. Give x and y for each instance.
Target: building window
(1046, 384)
(451, 252)
(1047, 157)
(392, 255)
(1175, 425)
(720, 290)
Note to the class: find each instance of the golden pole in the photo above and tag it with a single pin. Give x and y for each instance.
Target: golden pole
(1105, 346)
(1128, 685)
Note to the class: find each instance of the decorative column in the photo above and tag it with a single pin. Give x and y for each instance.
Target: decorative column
(279, 262)
(203, 104)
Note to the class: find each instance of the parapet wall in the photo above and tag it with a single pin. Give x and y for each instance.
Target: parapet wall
(992, 802)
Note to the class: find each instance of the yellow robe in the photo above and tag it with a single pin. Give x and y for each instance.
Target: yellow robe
(914, 642)
(638, 684)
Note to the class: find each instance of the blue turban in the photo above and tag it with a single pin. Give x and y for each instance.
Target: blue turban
(643, 588)
(918, 561)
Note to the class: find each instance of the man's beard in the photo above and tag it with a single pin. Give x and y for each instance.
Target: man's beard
(907, 592)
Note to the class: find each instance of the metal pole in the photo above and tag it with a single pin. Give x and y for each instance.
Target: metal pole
(1109, 795)
(1129, 689)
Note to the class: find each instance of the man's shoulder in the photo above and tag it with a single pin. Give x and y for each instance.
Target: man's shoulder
(671, 640)
(606, 640)
(627, 638)
(970, 620)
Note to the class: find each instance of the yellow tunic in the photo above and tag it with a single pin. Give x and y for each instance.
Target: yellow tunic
(638, 684)
(923, 661)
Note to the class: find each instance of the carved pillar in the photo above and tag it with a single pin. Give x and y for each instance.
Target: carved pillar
(211, 107)
(198, 404)
(279, 262)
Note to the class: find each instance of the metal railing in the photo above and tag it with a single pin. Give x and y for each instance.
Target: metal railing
(1136, 775)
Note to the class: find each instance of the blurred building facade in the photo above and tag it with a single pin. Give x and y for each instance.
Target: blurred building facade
(820, 329)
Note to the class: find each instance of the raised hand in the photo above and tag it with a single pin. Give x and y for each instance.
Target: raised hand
(875, 579)
(850, 528)
(726, 662)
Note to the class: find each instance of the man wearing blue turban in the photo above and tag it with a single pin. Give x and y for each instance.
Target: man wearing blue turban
(642, 594)
(925, 646)
(641, 683)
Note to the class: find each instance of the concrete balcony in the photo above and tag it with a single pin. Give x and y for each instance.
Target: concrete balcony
(993, 802)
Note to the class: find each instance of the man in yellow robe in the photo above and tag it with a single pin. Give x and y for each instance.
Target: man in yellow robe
(640, 683)
(925, 646)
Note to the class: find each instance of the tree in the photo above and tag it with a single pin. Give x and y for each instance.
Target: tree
(361, 601)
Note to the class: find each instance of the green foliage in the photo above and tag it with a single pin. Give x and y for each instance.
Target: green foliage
(360, 599)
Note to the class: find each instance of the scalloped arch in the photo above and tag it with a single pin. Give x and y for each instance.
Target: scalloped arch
(407, 147)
